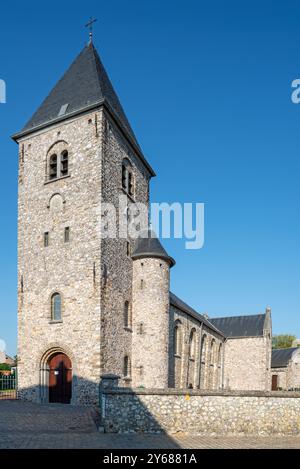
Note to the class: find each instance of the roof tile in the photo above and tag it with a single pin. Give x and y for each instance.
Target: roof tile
(241, 326)
(85, 83)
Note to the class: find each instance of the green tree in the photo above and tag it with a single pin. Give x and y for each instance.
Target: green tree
(4, 366)
(283, 340)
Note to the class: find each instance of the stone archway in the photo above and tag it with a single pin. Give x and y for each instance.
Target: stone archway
(56, 377)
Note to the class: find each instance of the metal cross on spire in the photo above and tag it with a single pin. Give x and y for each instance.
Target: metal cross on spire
(90, 26)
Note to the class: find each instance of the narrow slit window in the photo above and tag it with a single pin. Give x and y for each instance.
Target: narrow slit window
(67, 234)
(192, 343)
(46, 239)
(126, 314)
(56, 307)
(130, 183)
(177, 339)
(124, 176)
(127, 367)
(127, 177)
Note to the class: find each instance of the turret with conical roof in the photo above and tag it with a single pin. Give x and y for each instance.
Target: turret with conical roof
(150, 312)
(148, 245)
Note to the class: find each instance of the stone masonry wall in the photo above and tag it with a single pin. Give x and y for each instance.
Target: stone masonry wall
(150, 313)
(293, 372)
(204, 370)
(71, 269)
(93, 276)
(289, 376)
(282, 377)
(201, 413)
(247, 363)
(116, 339)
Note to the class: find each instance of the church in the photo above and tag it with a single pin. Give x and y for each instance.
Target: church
(90, 306)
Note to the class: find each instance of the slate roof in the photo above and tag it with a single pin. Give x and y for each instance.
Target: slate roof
(148, 245)
(281, 357)
(85, 85)
(241, 326)
(181, 305)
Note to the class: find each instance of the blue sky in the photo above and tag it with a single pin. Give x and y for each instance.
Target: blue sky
(207, 88)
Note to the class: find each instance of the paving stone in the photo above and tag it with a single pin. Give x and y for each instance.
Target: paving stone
(26, 425)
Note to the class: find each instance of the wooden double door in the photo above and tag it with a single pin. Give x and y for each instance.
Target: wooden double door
(60, 379)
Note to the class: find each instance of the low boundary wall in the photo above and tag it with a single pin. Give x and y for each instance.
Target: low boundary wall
(200, 412)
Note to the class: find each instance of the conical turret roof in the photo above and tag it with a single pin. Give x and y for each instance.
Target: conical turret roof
(148, 245)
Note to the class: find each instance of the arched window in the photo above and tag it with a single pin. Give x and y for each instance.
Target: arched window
(203, 348)
(220, 356)
(192, 344)
(127, 367)
(219, 368)
(56, 307)
(177, 338)
(212, 363)
(127, 177)
(127, 314)
(53, 167)
(212, 353)
(59, 167)
(203, 362)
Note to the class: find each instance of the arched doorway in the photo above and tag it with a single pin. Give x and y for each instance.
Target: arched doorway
(60, 378)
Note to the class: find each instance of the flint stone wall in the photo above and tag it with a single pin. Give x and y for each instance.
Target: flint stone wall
(282, 377)
(289, 376)
(67, 268)
(201, 412)
(247, 363)
(204, 371)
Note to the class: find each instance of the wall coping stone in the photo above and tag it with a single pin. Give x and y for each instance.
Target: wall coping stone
(190, 392)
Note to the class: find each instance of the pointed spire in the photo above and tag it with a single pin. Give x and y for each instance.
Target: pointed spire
(85, 86)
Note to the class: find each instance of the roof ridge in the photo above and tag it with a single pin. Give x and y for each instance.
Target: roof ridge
(194, 312)
(239, 316)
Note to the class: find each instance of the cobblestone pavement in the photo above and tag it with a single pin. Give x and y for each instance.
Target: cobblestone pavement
(26, 425)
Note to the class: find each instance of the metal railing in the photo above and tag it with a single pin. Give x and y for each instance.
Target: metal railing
(8, 385)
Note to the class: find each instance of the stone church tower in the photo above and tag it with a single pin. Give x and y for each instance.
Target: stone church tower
(90, 303)
(78, 314)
